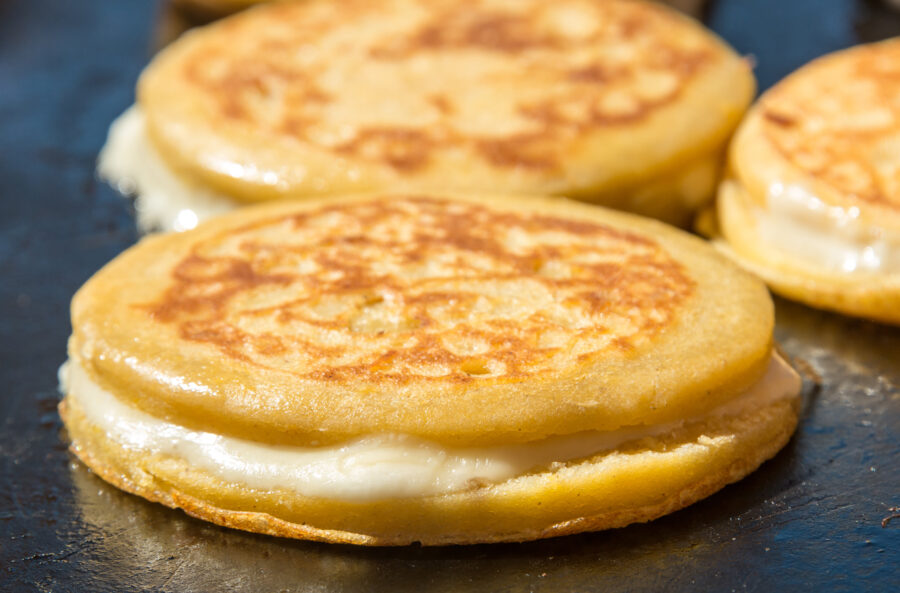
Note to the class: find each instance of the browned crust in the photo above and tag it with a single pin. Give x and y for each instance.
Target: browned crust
(755, 446)
(838, 141)
(450, 28)
(634, 280)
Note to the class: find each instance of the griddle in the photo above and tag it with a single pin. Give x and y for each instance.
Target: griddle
(816, 517)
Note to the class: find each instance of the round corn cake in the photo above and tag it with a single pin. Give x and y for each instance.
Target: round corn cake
(812, 202)
(391, 368)
(624, 103)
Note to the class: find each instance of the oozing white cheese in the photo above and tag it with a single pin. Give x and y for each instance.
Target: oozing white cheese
(163, 200)
(831, 237)
(374, 467)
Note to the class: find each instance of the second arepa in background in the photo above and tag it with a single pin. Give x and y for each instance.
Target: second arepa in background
(812, 202)
(625, 104)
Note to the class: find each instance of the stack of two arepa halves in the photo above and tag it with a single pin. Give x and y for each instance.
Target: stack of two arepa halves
(812, 199)
(418, 365)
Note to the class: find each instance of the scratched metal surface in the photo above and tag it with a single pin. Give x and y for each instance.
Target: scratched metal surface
(810, 519)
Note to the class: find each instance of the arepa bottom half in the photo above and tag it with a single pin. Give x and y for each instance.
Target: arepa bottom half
(637, 482)
(871, 294)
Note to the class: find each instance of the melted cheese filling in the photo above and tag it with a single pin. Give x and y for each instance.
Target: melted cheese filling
(378, 466)
(831, 237)
(163, 200)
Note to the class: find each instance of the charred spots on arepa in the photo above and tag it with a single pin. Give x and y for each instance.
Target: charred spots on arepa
(417, 288)
(838, 118)
(601, 65)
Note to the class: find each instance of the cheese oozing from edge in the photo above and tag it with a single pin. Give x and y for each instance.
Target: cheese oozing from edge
(377, 466)
(834, 238)
(163, 200)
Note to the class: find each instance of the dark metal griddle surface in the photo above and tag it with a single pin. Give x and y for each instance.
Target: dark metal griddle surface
(810, 519)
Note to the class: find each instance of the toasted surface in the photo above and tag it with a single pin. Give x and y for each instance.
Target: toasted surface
(637, 482)
(568, 97)
(832, 127)
(437, 316)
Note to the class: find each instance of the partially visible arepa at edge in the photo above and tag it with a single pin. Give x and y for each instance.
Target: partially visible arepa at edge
(812, 200)
(398, 368)
(622, 103)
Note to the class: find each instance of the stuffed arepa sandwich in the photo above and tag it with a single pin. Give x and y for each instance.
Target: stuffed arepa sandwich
(395, 368)
(812, 202)
(623, 103)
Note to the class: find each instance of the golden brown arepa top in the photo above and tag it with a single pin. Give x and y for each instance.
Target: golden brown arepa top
(437, 316)
(833, 127)
(313, 97)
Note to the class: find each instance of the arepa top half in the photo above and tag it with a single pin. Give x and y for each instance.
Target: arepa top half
(623, 103)
(433, 317)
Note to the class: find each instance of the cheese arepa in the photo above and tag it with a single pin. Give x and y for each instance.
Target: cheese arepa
(812, 202)
(628, 104)
(392, 368)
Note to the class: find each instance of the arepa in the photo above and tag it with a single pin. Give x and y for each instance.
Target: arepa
(628, 104)
(812, 201)
(396, 368)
